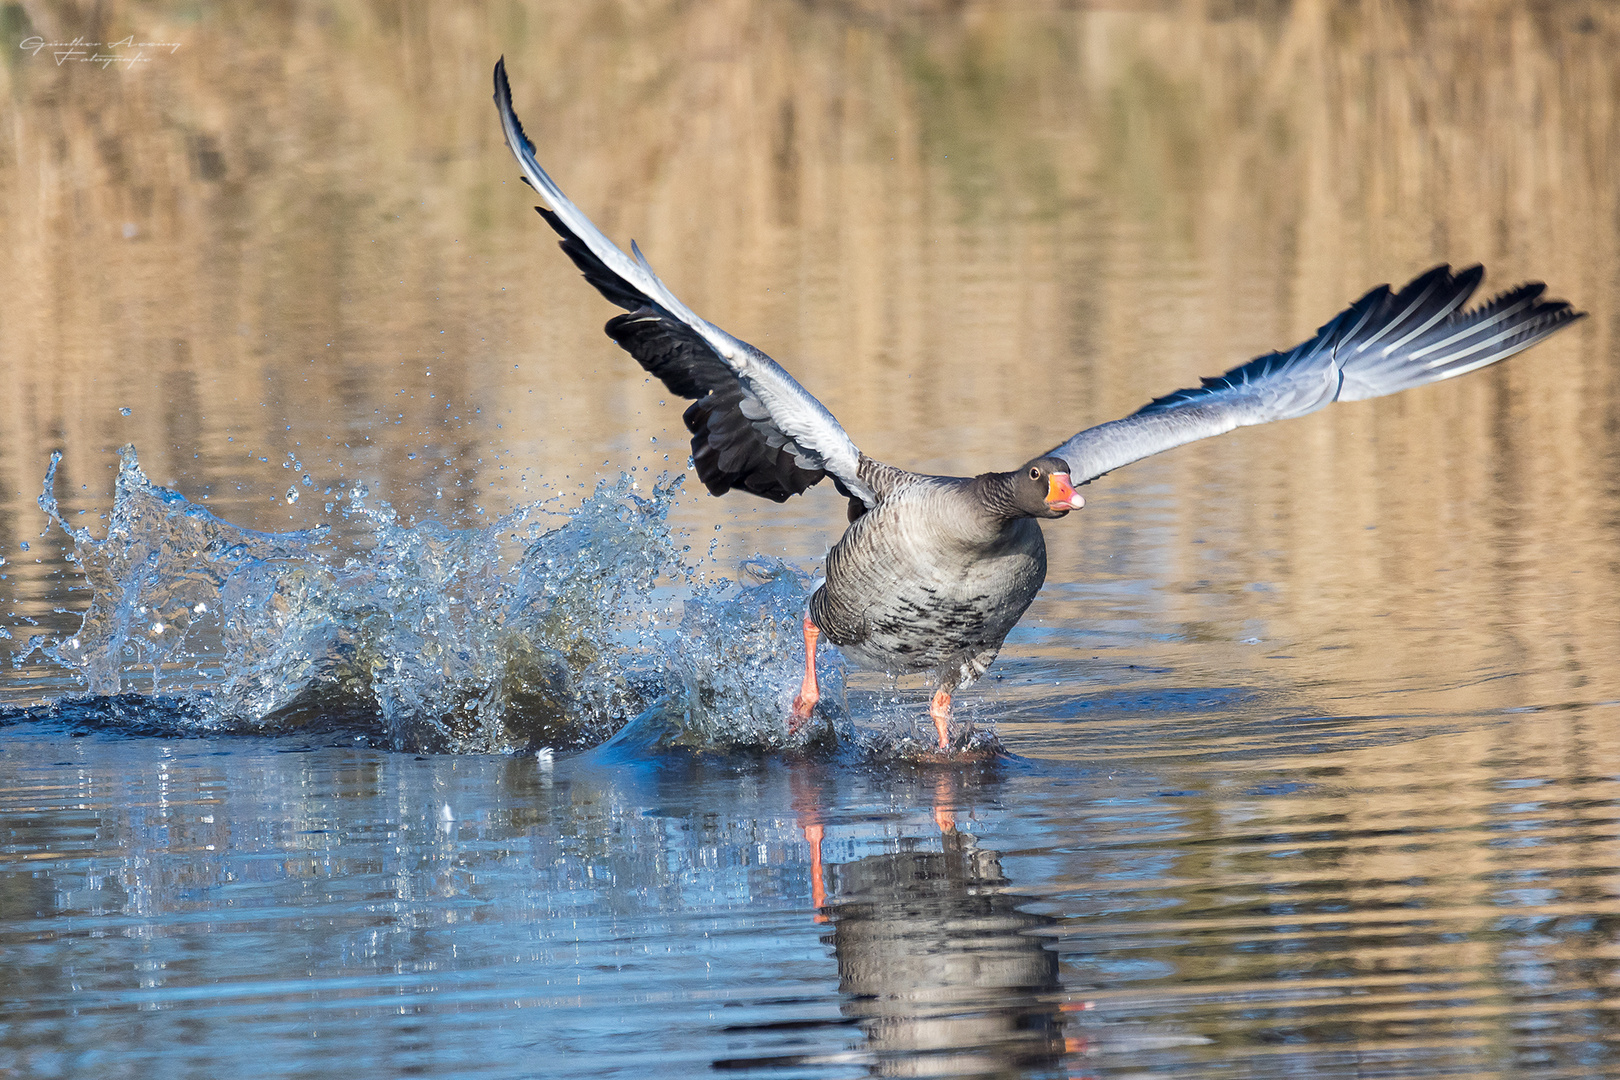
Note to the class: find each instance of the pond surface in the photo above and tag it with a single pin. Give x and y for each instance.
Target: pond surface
(394, 706)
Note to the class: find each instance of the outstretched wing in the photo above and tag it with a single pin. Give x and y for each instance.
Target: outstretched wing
(753, 427)
(1384, 342)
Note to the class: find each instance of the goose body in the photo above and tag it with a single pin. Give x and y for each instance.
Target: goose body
(934, 571)
(929, 580)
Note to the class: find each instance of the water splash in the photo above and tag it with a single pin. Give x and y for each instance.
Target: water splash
(523, 633)
(156, 578)
(545, 629)
(734, 665)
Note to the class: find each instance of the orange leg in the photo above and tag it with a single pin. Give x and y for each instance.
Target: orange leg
(805, 703)
(940, 710)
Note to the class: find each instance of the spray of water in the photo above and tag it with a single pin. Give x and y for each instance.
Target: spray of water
(157, 578)
(545, 629)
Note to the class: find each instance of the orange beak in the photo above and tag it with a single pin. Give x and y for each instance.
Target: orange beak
(1060, 494)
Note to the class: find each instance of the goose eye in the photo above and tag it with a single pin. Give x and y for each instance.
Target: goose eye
(1034, 474)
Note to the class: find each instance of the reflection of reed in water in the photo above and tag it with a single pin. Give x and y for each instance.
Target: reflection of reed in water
(940, 973)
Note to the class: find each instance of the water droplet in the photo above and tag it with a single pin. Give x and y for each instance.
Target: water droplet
(23, 545)
(125, 411)
(292, 495)
(157, 628)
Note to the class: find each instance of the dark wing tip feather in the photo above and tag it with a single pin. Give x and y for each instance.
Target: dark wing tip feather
(1425, 333)
(503, 101)
(1385, 342)
(1375, 337)
(610, 285)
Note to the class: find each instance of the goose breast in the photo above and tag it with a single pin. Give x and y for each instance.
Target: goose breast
(927, 582)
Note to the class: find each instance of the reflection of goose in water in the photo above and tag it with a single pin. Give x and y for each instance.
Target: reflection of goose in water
(934, 959)
(936, 966)
(934, 571)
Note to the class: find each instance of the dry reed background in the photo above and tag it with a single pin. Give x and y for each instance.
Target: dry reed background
(972, 228)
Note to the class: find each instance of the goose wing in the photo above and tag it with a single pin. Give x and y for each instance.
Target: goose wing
(1384, 342)
(753, 426)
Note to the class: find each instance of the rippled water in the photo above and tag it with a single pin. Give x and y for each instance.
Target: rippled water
(1445, 907)
(390, 706)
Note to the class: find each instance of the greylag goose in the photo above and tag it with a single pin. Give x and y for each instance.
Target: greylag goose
(934, 571)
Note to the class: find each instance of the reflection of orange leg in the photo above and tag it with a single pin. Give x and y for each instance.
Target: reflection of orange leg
(805, 703)
(818, 888)
(940, 710)
(1077, 1044)
(944, 793)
